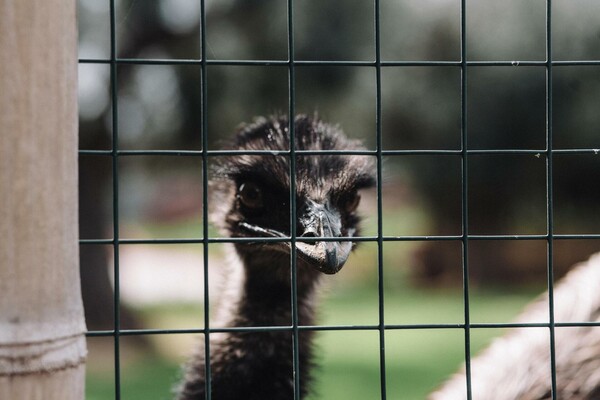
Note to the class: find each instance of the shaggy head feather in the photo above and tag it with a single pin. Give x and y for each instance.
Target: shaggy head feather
(329, 181)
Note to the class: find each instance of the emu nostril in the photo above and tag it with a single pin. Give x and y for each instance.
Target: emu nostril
(310, 233)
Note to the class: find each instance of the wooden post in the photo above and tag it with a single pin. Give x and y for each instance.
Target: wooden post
(42, 342)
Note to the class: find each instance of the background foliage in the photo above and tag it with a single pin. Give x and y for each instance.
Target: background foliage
(161, 197)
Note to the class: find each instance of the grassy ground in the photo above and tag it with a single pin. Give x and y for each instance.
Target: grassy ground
(416, 361)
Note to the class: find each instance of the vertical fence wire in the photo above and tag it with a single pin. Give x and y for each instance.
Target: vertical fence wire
(293, 234)
(465, 192)
(115, 202)
(550, 197)
(205, 233)
(379, 149)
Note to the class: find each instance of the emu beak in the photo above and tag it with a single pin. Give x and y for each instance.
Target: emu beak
(326, 257)
(322, 221)
(315, 221)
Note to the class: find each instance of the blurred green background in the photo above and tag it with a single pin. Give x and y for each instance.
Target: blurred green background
(349, 367)
(160, 197)
(416, 360)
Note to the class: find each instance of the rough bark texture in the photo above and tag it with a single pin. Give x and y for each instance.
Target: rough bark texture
(42, 344)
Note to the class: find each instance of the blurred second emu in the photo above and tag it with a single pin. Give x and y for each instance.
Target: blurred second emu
(272, 280)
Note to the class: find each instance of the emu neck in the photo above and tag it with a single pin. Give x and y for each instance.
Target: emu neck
(258, 365)
(266, 295)
(253, 365)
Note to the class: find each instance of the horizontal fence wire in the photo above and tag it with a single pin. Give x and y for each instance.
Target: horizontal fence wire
(464, 153)
(449, 152)
(433, 238)
(498, 325)
(316, 63)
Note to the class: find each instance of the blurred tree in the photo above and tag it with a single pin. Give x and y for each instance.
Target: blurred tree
(420, 106)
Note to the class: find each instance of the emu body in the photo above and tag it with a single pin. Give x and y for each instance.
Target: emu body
(517, 366)
(251, 198)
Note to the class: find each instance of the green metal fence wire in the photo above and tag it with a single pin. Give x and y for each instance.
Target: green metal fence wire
(464, 187)
(550, 197)
(379, 148)
(464, 153)
(115, 188)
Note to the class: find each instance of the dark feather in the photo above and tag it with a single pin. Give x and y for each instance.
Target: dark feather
(259, 365)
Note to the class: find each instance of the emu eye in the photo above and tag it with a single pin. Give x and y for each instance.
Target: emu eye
(351, 202)
(250, 195)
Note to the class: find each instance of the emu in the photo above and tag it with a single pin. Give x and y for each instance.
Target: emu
(251, 198)
(517, 365)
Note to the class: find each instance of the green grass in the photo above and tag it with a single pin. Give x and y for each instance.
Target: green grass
(416, 360)
(146, 378)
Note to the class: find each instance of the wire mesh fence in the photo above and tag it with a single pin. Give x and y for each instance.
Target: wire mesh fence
(464, 155)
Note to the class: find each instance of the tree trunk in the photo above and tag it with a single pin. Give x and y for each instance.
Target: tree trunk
(42, 342)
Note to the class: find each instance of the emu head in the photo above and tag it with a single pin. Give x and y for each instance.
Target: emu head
(252, 192)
